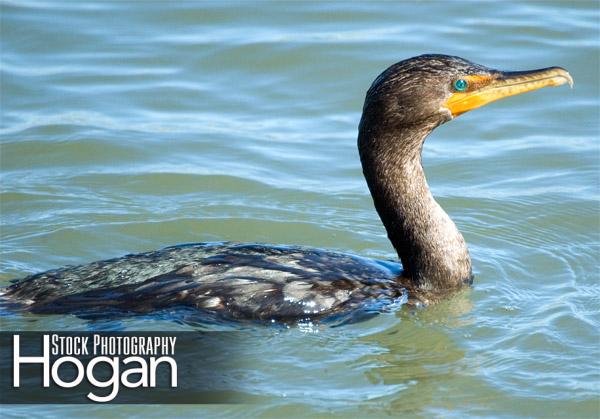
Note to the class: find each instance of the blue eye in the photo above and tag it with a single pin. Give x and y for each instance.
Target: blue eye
(461, 85)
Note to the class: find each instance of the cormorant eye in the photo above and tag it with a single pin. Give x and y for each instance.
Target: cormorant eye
(461, 85)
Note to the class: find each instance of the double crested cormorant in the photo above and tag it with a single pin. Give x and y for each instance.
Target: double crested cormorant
(253, 281)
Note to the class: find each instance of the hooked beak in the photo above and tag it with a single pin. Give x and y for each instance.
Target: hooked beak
(497, 85)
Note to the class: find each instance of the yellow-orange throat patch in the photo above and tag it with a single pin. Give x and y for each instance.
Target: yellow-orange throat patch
(483, 89)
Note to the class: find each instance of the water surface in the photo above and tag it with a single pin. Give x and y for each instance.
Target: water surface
(129, 126)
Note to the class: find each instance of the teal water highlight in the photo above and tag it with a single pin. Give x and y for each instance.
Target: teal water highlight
(129, 126)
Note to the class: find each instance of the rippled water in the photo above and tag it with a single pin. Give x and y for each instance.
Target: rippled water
(128, 126)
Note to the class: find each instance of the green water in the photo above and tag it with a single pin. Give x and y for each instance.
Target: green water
(128, 126)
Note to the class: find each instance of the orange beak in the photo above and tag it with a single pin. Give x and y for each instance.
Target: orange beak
(489, 88)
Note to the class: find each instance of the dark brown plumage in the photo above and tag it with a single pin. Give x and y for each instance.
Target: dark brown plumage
(403, 105)
(401, 108)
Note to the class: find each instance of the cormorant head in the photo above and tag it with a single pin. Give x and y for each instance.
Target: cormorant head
(432, 89)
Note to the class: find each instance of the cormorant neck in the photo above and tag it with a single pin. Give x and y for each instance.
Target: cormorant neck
(433, 252)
